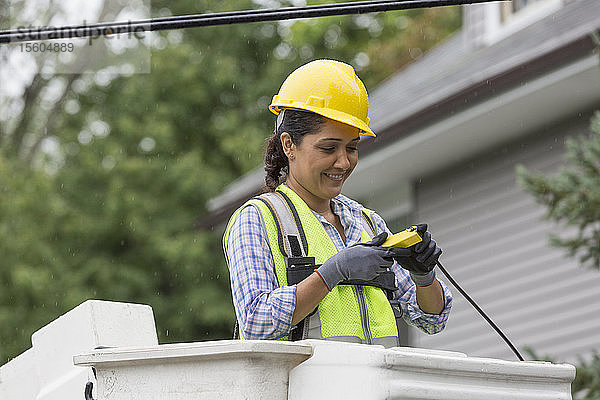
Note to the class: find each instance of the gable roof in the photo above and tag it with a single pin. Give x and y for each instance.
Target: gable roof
(451, 78)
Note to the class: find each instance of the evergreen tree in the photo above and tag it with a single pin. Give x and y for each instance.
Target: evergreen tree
(586, 385)
(572, 197)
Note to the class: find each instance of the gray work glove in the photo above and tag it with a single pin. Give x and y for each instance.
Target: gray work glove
(419, 259)
(364, 261)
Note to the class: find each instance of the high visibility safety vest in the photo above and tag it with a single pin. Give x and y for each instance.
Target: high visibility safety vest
(349, 313)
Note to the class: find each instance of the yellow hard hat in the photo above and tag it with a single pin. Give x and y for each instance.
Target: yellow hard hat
(329, 88)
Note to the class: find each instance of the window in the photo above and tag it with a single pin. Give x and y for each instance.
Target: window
(520, 4)
(505, 18)
(509, 9)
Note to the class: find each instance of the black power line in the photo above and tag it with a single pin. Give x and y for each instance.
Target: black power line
(481, 312)
(239, 17)
(224, 18)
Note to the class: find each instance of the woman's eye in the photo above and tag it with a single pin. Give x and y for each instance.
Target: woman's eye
(328, 149)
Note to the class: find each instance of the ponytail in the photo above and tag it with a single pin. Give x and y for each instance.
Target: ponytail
(276, 163)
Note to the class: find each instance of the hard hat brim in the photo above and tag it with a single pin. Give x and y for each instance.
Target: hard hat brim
(335, 115)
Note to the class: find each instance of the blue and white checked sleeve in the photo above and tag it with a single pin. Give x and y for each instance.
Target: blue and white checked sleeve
(264, 310)
(412, 314)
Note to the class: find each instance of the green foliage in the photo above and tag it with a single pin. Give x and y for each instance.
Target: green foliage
(572, 197)
(586, 385)
(376, 44)
(29, 265)
(110, 212)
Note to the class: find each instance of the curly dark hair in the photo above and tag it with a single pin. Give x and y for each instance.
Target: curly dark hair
(296, 123)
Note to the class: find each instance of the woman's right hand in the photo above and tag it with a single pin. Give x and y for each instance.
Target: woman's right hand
(363, 261)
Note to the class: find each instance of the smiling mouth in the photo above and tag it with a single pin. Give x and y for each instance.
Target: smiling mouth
(335, 177)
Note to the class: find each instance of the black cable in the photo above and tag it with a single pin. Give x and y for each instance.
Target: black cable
(222, 14)
(483, 314)
(224, 18)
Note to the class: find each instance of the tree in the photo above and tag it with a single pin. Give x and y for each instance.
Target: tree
(586, 385)
(104, 206)
(39, 81)
(573, 196)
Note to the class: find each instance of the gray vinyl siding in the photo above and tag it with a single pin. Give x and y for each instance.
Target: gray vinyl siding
(495, 243)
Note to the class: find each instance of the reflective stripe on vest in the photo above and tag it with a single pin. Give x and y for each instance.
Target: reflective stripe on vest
(351, 313)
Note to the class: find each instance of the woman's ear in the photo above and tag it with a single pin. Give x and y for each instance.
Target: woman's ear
(288, 145)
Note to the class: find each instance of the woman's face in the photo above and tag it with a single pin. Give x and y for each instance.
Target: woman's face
(324, 160)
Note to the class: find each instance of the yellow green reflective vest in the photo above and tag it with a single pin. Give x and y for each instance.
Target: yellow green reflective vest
(349, 313)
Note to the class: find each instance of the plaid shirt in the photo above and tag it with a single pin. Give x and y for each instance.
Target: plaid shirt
(264, 309)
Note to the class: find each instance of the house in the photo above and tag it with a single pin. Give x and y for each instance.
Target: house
(507, 89)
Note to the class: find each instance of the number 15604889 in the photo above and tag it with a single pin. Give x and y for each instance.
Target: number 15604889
(47, 47)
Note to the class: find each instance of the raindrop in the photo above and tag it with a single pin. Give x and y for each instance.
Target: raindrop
(175, 37)
(263, 102)
(126, 69)
(147, 144)
(415, 53)
(159, 42)
(50, 145)
(72, 106)
(332, 36)
(267, 30)
(81, 85)
(363, 20)
(85, 137)
(362, 60)
(282, 51)
(283, 30)
(375, 28)
(402, 22)
(164, 12)
(306, 52)
(109, 162)
(102, 78)
(100, 128)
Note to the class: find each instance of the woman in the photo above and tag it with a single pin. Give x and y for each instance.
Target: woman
(322, 111)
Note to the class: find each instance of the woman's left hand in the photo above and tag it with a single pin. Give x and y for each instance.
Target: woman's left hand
(421, 258)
